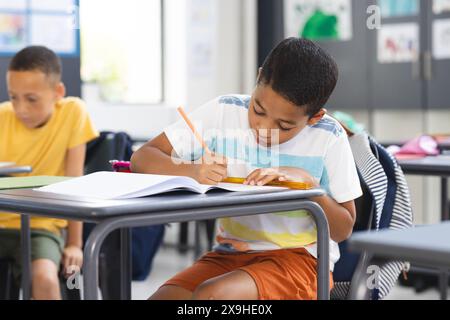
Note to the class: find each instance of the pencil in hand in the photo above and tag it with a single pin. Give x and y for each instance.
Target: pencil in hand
(194, 131)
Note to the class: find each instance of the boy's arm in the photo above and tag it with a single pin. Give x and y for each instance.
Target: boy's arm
(155, 157)
(341, 217)
(158, 157)
(74, 167)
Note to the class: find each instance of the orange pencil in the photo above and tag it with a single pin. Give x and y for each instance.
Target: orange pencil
(194, 131)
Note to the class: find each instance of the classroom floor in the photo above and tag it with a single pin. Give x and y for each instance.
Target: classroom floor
(168, 262)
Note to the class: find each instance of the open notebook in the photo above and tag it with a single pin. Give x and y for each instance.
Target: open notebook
(115, 185)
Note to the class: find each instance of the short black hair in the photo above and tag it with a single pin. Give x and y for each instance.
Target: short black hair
(301, 72)
(37, 58)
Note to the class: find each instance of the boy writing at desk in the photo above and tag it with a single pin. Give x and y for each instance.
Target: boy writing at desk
(41, 128)
(270, 256)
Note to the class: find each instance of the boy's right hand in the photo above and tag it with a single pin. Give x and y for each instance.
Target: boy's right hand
(210, 169)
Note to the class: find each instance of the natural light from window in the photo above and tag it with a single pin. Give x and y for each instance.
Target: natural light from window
(121, 49)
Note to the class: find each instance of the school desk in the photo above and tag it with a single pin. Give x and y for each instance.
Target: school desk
(432, 166)
(426, 245)
(112, 215)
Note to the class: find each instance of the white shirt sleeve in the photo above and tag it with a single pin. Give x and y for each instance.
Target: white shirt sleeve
(206, 120)
(344, 184)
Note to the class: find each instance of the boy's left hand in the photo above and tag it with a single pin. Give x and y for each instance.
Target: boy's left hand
(72, 256)
(261, 177)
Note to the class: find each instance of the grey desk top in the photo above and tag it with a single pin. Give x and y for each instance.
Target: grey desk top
(420, 244)
(47, 204)
(439, 166)
(14, 170)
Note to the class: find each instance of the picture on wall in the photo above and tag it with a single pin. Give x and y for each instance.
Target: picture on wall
(51, 23)
(12, 32)
(398, 8)
(398, 43)
(441, 6)
(441, 39)
(319, 19)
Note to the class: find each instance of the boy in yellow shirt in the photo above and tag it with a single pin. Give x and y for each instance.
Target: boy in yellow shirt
(41, 128)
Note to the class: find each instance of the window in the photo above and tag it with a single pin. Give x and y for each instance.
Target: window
(121, 49)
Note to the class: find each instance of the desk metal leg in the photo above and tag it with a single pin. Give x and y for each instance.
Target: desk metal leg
(197, 241)
(443, 284)
(91, 254)
(445, 212)
(100, 232)
(444, 200)
(125, 264)
(26, 256)
(323, 250)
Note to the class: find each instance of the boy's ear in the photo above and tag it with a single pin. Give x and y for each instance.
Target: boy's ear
(60, 91)
(259, 74)
(317, 117)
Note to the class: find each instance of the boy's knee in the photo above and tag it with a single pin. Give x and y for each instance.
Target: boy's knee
(45, 277)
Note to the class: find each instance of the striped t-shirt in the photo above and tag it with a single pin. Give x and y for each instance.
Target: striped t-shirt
(323, 150)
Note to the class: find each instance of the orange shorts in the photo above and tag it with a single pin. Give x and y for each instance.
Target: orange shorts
(286, 274)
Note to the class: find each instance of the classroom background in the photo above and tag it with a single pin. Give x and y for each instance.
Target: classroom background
(135, 61)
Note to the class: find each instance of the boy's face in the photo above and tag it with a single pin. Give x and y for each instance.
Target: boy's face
(270, 111)
(33, 95)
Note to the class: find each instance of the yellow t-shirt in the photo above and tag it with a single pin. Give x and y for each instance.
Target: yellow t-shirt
(44, 148)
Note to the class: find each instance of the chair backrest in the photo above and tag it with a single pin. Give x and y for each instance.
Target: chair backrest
(109, 146)
(347, 264)
(375, 210)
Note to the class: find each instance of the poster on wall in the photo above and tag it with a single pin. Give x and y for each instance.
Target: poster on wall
(318, 19)
(441, 39)
(441, 6)
(398, 43)
(12, 32)
(50, 23)
(398, 8)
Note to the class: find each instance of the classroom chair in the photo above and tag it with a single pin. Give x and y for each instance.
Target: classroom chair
(385, 204)
(7, 288)
(209, 230)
